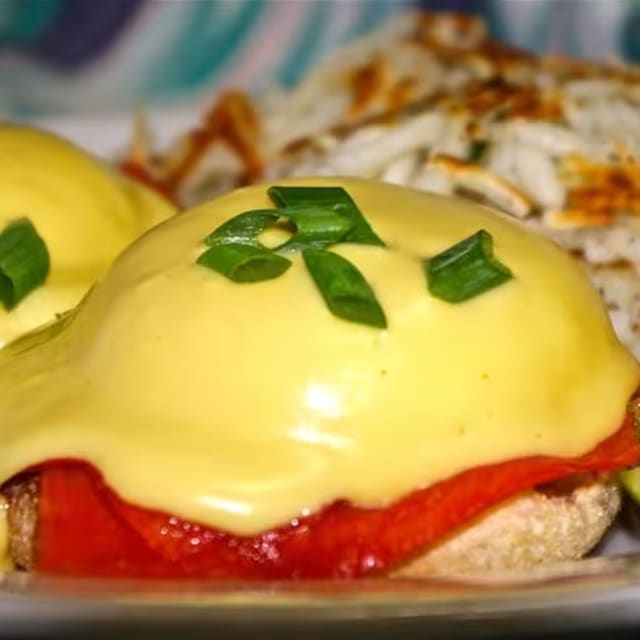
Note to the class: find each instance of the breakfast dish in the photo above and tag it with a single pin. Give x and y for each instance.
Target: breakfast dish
(319, 378)
(430, 101)
(212, 417)
(75, 214)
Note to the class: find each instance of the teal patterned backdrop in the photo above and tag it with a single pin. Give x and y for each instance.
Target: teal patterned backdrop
(62, 55)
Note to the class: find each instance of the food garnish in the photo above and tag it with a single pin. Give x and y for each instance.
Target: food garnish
(345, 290)
(335, 198)
(325, 216)
(244, 262)
(316, 226)
(24, 262)
(236, 253)
(319, 217)
(466, 269)
(244, 228)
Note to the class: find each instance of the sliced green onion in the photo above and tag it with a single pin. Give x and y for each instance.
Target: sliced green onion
(466, 269)
(335, 198)
(345, 291)
(316, 227)
(24, 262)
(244, 262)
(322, 216)
(243, 228)
(477, 150)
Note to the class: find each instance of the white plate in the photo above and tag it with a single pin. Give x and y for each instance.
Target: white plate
(594, 598)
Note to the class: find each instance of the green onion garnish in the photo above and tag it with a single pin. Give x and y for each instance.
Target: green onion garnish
(335, 198)
(243, 228)
(316, 227)
(344, 289)
(477, 150)
(244, 262)
(320, 217)
(24, 262)
(466, 269)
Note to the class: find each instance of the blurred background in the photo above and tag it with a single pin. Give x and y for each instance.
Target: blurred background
(96, 56)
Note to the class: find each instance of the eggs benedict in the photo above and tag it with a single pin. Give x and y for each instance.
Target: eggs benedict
(83, 211)
(321, 378)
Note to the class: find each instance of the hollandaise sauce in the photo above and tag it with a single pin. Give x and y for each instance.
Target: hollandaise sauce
(84, 210)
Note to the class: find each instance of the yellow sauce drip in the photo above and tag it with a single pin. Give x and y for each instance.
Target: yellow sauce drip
(86, 212)
(242, 406)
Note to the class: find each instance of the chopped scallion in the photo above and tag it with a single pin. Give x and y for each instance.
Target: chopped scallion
(24, 262)
(244, 262)
(466, 269)
(335, 198)
(320, 217)
(243, 228)
(346, 292)
(316, 226)
(477, 150)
